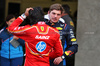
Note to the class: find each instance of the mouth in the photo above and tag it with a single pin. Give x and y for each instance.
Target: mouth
(54, 19)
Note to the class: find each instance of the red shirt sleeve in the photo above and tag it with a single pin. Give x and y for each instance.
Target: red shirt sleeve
(57, 49)
(18, 31)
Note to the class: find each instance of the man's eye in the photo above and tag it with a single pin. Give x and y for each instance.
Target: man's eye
(11, 21)
(53, 13)
(58, 14)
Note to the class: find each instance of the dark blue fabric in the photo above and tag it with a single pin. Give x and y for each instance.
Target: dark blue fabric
(7, 49)
(66, 34)
(22, 42)
(12, 62)
(68, 19)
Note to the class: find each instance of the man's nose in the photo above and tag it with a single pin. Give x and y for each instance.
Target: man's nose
(55, 15)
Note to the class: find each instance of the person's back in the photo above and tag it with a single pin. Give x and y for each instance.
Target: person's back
(39, 44)
(40, 39)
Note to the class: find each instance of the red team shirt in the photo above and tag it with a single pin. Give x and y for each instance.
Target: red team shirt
(40, 39)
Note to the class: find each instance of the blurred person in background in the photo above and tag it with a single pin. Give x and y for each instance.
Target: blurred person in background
(66, 15)
(11, 55)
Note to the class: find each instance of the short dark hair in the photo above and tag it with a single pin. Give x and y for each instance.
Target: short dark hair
(56, 7)
(36, 15)
(10, 16)
(66, 8)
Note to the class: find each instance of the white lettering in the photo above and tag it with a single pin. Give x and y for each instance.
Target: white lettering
(42, 37)
(72, 36)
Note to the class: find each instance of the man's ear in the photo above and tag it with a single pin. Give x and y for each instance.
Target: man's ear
(48, 12)
(7, 22)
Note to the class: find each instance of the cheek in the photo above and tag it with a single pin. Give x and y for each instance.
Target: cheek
(58, 17)
(51, 15)
(10, 23)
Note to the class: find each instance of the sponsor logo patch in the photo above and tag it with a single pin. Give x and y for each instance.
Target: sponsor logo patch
(73, 39)
(41, 46)
(71, 23)
(59, 28)
(42, 28)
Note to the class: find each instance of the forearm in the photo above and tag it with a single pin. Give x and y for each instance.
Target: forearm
(73, 48)
(70, 51)
(21, 41)
(58, 50)
(16, 23)
(52, 55)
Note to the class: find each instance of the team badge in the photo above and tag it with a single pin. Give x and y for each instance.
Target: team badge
(59, 28)
(73, 39)
(41, 46)
(42, 28)
(52, 24)
(71, 23)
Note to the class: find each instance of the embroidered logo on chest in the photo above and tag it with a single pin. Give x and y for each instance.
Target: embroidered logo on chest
(42, 28)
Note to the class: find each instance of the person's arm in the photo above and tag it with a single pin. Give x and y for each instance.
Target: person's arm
(58, 49)
(16, 30)
(21, 41)
(14, 27)
(71, 43)
(0, 44)
(22, 30)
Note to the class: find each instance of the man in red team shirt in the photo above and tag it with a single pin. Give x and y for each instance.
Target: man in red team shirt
(40, 38)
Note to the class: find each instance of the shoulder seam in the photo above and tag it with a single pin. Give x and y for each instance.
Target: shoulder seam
(54, 30)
